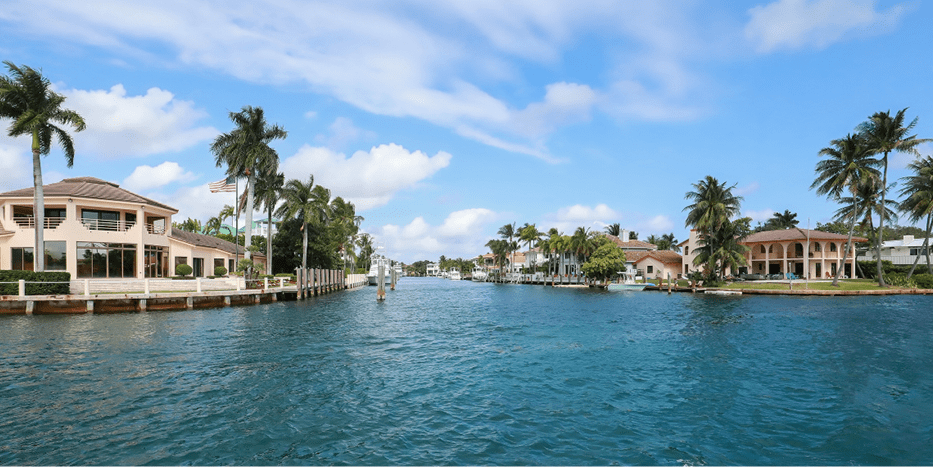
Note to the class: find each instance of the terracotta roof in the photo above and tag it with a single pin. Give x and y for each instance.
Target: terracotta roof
(207, 241)
(664, 256)
(632, 244)
(796, 234)
(90, 188)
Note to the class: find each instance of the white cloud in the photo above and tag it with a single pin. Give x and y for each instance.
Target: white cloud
(368, 179)
(563, 103)
(196, 202)
(456, 237)
(900, 160)
(120, 126)
(343, 131)
(758, 216)
(567, 219)
(795, 24)
(659, 224)
(746, 190)
(17, 168)
(146, 177)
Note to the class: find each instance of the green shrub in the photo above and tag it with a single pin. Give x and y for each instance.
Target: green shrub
(923, 281)
(897, 279)
(183, 269)
(220, 271)
(58, 282)
(286, 275)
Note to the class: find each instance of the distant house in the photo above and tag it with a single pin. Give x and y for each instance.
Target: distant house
(433, 270)
(782, 252)
(903, 251)
(94, 229)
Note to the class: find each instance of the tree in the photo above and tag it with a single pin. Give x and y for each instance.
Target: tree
(710, 213)
(268, 189)
(722, 249)
(848, 165)
(918, 189)
(529, 234)
(189, 225)
(348, 224)
(614, 229)
(671, 241)
(365, 244)
(507, 231)
(246, 152)
(300, 203)
(606, 260)
(781, 221)
(862, 205)
(885, 134)
(26, 98)
(633, 235)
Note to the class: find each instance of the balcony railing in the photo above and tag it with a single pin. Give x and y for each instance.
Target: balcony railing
(30, 222)
(108, 225)
(155, 229)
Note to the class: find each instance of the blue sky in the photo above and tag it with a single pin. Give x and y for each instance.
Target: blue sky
(443, 121)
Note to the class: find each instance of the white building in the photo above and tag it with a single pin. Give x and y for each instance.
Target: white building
(903, 251)
(433, 270)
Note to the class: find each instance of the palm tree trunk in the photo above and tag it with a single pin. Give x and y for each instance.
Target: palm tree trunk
(929, 228)
(38, 208)
(269, 244)
(249, 216)
(845, 254)
(304, 246)
(884, 189)
(926, 244)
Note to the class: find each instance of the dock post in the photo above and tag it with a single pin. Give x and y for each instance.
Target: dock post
(142, 304)
(381, 283)
(668, 283)
(266, 283)
(22, 287)
(90, 306)
(87, 287)
(30, 306)
(146, 286)
(394, 278)
(189, 302)
(197, 286)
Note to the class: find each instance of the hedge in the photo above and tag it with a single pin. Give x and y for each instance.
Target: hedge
(60, 282)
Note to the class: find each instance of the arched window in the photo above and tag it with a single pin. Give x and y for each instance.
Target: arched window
(762, 249)
(798, 249)
(686, 250)
(817, 247)
(770, 248)
(832, 246)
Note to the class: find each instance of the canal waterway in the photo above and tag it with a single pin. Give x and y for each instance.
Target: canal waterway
(469, 373)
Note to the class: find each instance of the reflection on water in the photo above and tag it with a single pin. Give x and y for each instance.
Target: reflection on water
(472, 373)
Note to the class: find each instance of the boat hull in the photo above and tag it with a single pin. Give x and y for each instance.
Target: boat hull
(626, 287)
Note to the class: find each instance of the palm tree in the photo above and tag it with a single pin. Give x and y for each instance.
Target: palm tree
(529, 234)
(508, 231)
(365, 244)
(212, 226)
(348, 223)
(723, 248)
(781, 221)
(301, 203)
(246, 152)
(671, 242)
(713, 207)
(918, 188)
(614, 229)
(26, 97)
(848, 164)
(863, 204)
(268, 188)
(885, 134)
(654, 240)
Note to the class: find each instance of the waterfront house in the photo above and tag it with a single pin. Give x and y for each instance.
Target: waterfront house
(782, 252)
(432, 270)
(94, 229)
(647, 259)
(903, 251)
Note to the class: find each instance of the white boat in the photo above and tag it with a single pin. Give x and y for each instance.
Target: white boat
(479, 274)
(454, 274)
(627, 283)
(379, 260)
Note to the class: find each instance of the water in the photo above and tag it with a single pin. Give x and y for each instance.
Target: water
(464, 373)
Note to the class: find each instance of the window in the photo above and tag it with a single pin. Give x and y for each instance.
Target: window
(832, 248)
(650, 269)
(218, 263)
(798, 249)
(918, 251)
(22, 259)
(686, 250)
(198, 267)
(55, 256)
(817, 247)
(106, 260)
(100, 220)
(770, 248)
(232, 267)
(156, 261)
(762, 249)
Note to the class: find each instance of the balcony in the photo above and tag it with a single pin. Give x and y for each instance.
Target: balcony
(30, 222)
(107, 225)
(155, 229)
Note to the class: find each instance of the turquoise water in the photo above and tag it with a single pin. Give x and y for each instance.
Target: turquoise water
(466, 373)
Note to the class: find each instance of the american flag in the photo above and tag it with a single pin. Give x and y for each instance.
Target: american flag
(226, 185)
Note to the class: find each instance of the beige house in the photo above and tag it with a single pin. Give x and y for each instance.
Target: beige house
(782, 252)
(647, 259)
(96, 230)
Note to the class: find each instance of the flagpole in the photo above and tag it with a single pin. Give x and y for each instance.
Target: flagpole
(236, 222)
(806, 258)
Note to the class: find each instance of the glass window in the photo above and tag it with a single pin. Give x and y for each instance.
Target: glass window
(129, 262)
(103, 260)
(198, 267)
(55, 256)
(156, 261)
(832, 247)
(54, 212)
(22, 259)
(798, 249)
(762, 249)
(100, 220)
(232, 268)
(650, 269)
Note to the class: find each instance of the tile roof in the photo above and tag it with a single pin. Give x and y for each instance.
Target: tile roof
(90, 188)
(796, 234)
(664, 256)
(207, 241)
(632, 244)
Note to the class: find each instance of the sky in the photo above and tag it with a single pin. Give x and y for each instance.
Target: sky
(444, 120)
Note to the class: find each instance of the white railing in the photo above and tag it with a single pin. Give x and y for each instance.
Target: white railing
(155, 230)
(108, 225)
(899, 259)
(30, 222)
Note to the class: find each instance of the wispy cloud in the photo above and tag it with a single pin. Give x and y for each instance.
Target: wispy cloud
(146, 177)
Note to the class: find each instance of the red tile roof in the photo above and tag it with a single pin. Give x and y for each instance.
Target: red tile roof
(632, 244)
(796, 234)
(90, 188)
(664, 256)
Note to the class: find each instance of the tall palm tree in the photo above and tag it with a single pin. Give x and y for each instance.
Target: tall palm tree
(212, 226)
(885, 134)
(347, 222)
(781, 221)
(848, 163)
(918, 188)
(529, 234)
(26, 97)
(653, 239)
(712, 208)
(246, 152)
(301, 203)
(269, 186)
(671, 242)
(863, 204)
(508, 231)
(614, 229)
